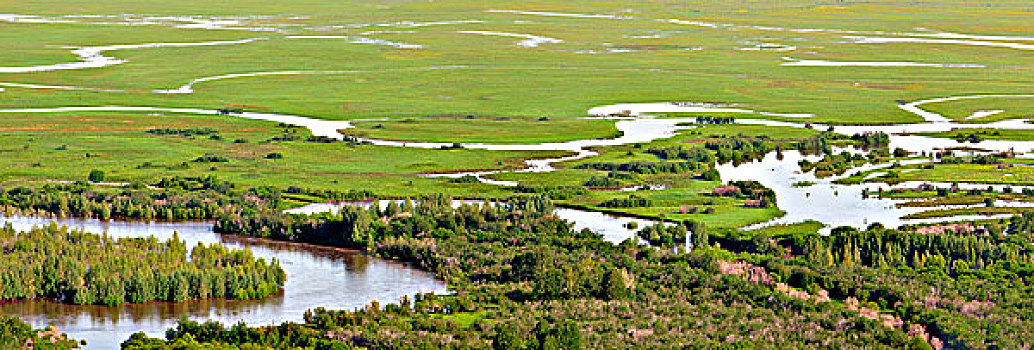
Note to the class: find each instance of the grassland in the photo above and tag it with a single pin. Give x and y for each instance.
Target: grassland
(40, 147)
(619, 53)
(631, 58)
(986, 134)
(485, 129)
(682, 196)
(421, 67)
(1016, 175)
(1021, 107)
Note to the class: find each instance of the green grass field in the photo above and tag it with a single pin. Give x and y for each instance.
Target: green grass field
(528, 72)
(1019, 107)
(424, 68)
(631, 58)
(39, 147)
(987, 134)
(485, 129)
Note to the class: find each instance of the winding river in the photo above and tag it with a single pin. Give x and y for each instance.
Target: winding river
(638, 127)
(336, 278)
(316, 276)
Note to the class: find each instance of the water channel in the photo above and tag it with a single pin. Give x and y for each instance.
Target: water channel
(335, 278)
(316, 276)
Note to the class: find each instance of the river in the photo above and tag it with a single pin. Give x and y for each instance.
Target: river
(316, 276)
(342, 279)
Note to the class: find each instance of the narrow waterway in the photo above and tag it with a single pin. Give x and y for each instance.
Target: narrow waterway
(800, 203)
(342, 279)
(612, 228)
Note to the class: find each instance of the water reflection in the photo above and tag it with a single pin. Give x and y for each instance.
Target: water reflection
(317, 276)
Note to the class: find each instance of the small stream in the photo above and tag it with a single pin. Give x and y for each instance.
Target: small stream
(800, 203)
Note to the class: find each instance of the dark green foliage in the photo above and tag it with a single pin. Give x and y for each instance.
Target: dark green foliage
(715, 120)
(753, 190)
(695, 154)
(467, 179)
(644, 167)
(983, 159)
(633, 201)
(96, 176)
(974, 137)
(172, 199)
(872, 139)
(711, 175)
(82, 268)
(184, 132)
(15, 334)
(211, 158)
(330, 195)
(602, 182)
(666, 236)
(834, 164)
(523, 279)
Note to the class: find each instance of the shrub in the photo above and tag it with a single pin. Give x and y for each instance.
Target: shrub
(96, 175)
(211, 158)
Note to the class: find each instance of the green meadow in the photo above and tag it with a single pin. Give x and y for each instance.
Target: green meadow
(633, 57)
(485, 129)
(462, 71)
(41, 147)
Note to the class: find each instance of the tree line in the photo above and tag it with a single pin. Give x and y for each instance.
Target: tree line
(77, 267)
(197, 198)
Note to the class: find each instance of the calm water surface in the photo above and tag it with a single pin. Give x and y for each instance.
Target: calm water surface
(316, 276)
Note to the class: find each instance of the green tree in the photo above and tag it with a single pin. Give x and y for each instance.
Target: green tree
(507, 337)
(96, 175)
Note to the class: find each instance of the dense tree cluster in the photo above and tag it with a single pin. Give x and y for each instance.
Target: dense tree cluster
(330, 195)
(869, 140)
(632, 201)
(983, 159)
(715, 120)
(694, 154)
(974, 136)
(834, 164)
(748, 190)
(172, 199)
(211, 158)
(661, 235)
(740, 149)
(82, 268)
(15, 334)
(524, 280)
(188, 132)
(646, 167)
(964, 290)
(603, 182)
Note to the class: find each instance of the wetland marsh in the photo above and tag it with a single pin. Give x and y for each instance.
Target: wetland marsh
(860, 154)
